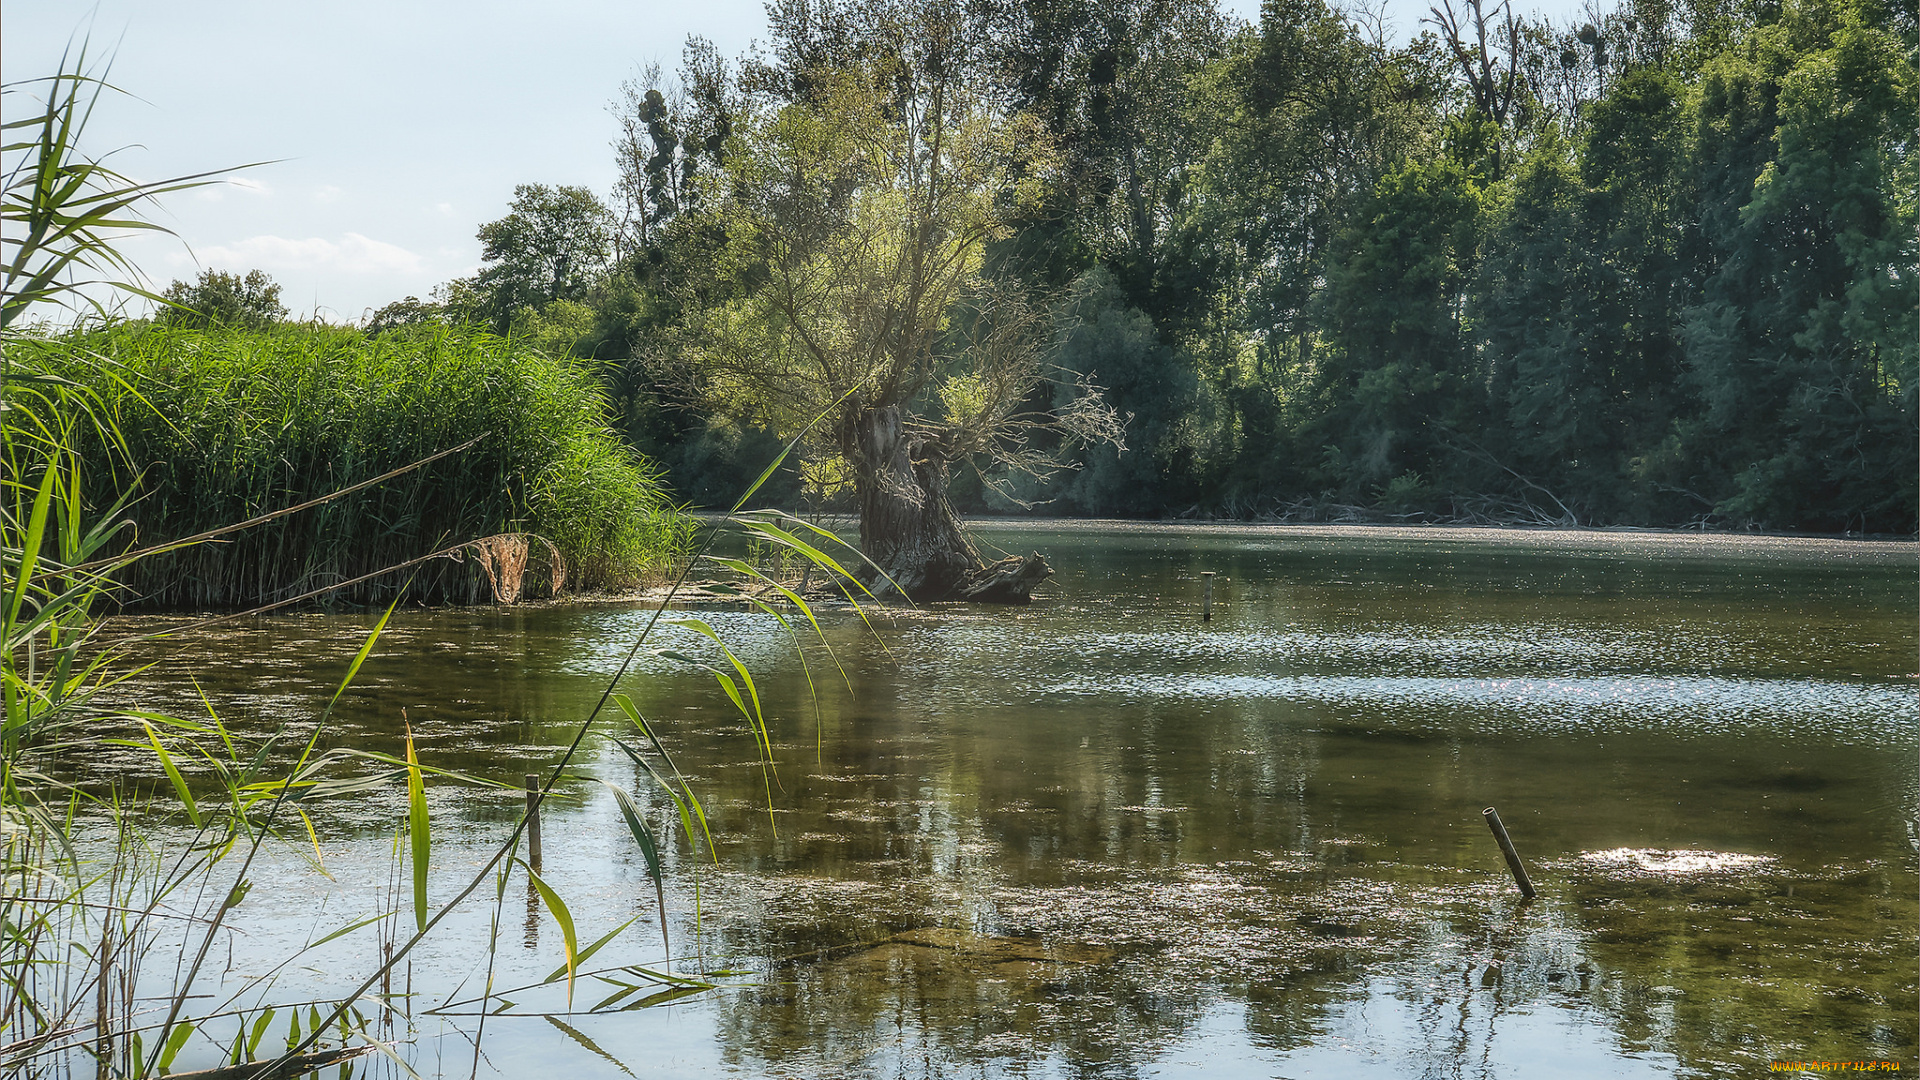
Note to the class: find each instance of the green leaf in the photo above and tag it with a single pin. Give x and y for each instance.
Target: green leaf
(30, 548)
(587, 953)
(558, 909)
(350, 928)
(650, 850)
(259, 1031)
(360, 657)
(680, 803)
(686, 800)
(173, 775)
(175, 1041)
(643, 836)
(419, 833)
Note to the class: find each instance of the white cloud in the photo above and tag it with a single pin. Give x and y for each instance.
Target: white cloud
(352, 254)
(327, 193)
(445, 208)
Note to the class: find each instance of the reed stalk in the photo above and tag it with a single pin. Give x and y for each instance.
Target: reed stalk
(223, 424)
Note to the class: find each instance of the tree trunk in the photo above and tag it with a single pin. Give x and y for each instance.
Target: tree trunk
(910, 531)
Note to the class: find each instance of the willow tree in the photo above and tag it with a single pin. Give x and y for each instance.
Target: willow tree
(863, 186)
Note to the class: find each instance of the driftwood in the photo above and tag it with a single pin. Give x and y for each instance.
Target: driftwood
(1009, 581)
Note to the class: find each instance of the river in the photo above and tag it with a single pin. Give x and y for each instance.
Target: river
(1099, 836)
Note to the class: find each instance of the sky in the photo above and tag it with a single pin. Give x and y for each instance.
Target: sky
(390, 130)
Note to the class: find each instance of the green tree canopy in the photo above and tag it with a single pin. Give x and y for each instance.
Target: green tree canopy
(553, 245)
(862, 196)
(222, 299)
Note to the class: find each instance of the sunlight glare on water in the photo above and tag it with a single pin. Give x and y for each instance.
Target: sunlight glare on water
(1675, 862)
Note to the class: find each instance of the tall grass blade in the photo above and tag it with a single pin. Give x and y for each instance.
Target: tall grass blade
(366, 650)
(755, 717)
(259, 1031)
(563, 918)
(587, 953)
(685, 799)
(349, 928)
(650, 850)
(30, 548)
(419, 833)
(174, 1042)
(173, 774)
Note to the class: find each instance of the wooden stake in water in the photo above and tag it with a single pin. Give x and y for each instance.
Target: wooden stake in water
(1506, 848)
(1206, 596)
(533, 821)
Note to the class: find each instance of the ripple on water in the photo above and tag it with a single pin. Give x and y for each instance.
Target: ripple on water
(1851, 712)
(1521, 648)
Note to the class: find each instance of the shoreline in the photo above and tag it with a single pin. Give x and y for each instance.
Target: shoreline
(1334, 528)
(1337, 527)
(700, 594)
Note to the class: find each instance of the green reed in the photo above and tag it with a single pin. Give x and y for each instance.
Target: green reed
(114, 438)
(225, 423)
(105, 878)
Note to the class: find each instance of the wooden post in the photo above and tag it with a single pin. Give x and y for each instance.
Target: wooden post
(533, 821)
(1506, 848)
(1206, 596)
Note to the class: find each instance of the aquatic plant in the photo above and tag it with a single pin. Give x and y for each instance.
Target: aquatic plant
(104, 874)
(221, 424)
(80, 927)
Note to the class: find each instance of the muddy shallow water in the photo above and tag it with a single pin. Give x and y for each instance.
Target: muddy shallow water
(1099, 837)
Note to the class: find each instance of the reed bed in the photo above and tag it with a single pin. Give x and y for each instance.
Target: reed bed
(223, 424)
(116, 890)
(173, 430)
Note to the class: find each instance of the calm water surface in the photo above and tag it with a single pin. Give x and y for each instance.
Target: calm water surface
(1097, 837)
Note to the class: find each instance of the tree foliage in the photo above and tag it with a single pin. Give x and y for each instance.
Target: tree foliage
(871, 176)
(222, 299)
(553, 245)
(1654, 266)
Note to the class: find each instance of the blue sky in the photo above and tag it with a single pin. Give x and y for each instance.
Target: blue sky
(395, 128)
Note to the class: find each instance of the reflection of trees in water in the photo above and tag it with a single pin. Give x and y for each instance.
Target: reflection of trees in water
(1033, 842)
(1743, 969)
(899, 1009)
(1704, 974)
(1478, 968)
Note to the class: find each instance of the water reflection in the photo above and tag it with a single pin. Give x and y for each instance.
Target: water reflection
(1098, 838)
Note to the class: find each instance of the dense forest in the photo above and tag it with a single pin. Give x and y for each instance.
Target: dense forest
(1135, 258)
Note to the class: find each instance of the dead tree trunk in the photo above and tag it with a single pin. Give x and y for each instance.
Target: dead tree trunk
(908, 527)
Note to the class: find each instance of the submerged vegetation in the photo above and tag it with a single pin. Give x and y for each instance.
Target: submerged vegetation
(221, 424)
